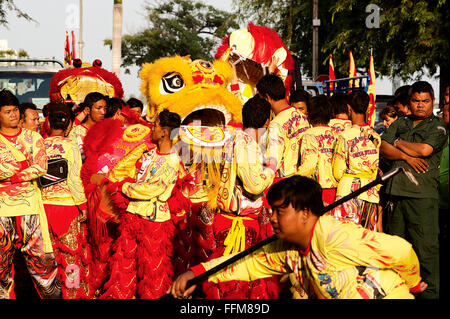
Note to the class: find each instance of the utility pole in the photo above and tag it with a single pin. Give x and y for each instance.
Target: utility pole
(315, 48)
(117, 37)
(80, 42)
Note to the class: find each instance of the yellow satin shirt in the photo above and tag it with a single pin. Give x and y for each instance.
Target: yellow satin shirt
(153, 186)
(19, 197)
(283, 140)
(316, 151)
(77, 134)
(242, 160)
(339, 125)
(356, 159)
(71, 191)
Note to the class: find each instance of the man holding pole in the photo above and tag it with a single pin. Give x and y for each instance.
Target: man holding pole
(332, 259)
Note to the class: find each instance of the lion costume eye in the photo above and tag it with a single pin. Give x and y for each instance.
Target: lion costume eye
(170, 83)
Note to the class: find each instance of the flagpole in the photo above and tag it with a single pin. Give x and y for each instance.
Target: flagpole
(81, 43)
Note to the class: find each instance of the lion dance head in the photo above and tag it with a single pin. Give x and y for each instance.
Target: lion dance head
(75, 83)
(183, 86)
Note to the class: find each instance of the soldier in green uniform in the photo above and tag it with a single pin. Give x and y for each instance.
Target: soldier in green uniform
(417, 141)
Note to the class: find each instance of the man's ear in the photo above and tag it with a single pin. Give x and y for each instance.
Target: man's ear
(350, 111)
(304, 215)
(166, 131)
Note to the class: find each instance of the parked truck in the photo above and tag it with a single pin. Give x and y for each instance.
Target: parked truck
(29, 79)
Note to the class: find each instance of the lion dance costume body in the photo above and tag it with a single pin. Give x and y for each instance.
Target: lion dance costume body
(222, 177)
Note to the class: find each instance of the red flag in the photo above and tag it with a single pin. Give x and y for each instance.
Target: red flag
(67, 60)
(371, 90)
(73, 57)
(351, 70)
(331, 75)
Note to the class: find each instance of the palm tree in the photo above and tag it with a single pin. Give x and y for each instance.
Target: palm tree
(117, 37)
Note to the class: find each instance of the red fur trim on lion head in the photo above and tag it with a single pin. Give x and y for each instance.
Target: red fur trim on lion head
(223, 47)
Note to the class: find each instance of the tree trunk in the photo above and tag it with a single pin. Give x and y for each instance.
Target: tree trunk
(117, 37)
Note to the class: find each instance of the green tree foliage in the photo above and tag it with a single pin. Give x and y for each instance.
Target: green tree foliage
(12, 53)
(412, 34)
(9, 5)
(177, 27)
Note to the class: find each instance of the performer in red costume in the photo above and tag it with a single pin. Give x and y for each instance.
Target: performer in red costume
(140, 265)
(112, 148)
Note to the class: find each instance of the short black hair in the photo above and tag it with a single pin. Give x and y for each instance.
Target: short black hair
(134, 102)
(421, 87)
(320, 110)
(94, 97)
(169, 119)
(23, 107)
(402, 98)
(299, 191)
(272, 86)
(113, 105)
(388, 111)
(359, 101)
(255, 112)
(60, 116)
(8, 98)
(402, 89)
(339, 104)
(300, 95)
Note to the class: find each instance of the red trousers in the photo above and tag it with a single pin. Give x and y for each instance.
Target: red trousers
(141, 262)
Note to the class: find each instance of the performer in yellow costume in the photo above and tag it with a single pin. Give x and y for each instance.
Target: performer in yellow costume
(141, 260)
(285, 129)
(333, 259)
(339, 106)
(23, 223)
(95, 105)
(317, 148)
(355, 164)
(65, 207)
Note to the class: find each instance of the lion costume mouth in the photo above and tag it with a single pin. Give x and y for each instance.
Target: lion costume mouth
(220, 108)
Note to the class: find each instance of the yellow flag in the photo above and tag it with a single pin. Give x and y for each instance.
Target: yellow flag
(331, 75)
(351, 70)
(371, 90)
(67, 56)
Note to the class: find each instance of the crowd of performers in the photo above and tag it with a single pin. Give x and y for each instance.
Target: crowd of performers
(164, 215)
